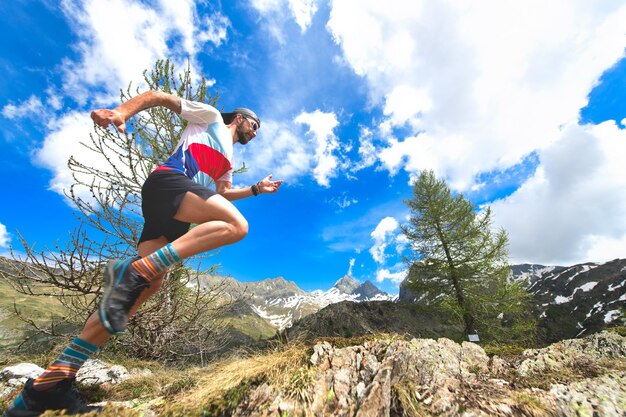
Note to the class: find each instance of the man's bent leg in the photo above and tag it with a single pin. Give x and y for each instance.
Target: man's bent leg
(218, 221)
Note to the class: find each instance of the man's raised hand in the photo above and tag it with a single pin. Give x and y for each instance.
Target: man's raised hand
(267, 186)
(105, 117)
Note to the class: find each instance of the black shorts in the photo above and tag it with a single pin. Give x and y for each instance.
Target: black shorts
(161, 196)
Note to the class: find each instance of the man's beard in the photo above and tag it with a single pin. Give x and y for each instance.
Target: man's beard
(241, 135)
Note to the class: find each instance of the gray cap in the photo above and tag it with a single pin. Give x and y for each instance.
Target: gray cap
(228, 117)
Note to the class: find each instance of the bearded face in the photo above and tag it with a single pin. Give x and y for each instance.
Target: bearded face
(242, 136)
(244, 131)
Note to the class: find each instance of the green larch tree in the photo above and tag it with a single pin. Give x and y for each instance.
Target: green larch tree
(460, 263)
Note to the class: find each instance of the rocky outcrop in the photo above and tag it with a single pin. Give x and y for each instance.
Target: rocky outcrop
(426, 377)
(573, 353)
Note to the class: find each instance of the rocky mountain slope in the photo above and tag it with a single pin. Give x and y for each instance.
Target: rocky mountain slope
(581, 299)
(373, 377)
(349, 319)
(570, 301)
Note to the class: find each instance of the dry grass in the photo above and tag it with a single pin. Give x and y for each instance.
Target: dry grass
(203, 391)
(220, 381)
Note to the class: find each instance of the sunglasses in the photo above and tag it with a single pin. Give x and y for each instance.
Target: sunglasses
(253, 123)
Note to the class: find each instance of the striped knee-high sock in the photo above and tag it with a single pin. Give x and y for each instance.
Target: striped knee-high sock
(150, 266)
(66, 365)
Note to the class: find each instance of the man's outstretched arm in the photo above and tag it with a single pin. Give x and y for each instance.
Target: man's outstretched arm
(118, 116)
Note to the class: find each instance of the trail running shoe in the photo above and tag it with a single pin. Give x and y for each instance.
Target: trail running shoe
(63, 396)
(122, 287)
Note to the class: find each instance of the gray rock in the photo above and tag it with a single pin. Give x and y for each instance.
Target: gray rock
(603, 396)
(568, 353)
(96, 372)
(12, 378)
(21, 371)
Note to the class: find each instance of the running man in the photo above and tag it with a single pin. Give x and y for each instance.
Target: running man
(193, 186)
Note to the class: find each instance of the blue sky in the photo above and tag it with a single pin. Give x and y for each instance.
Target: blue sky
(518, 105)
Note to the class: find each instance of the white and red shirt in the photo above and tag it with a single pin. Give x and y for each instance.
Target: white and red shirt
(205, 150)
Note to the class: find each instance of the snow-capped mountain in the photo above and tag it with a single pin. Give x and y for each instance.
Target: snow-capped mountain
(282, 302)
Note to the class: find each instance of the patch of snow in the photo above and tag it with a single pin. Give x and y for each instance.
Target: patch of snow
(620, 285)
(381, 297)
(533, 274)
(280, 321)
(586, 287)
(611, 316)
(585, 268)
(562, 300)
(317, 298)
(597, 306)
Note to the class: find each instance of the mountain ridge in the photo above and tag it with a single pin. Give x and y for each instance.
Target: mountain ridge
(282, 302)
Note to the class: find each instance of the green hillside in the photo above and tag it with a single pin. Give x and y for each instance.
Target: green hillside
(42, 310)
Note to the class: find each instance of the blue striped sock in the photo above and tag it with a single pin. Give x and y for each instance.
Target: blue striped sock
(152, 265)
(66, 365)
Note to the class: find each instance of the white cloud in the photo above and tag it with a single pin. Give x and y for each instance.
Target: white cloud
(32, 107)
(277, 12)
(303, 11)
(293, 152)
(119, 39)
(352, 261)
(404, 103)
(277, 150)
(60, 144)
(395, 277)
(573, 208)
(325, 143)
(402, 242)
(63, 141)
(367, 150)
(54, 100)
(342, 201)
(5, 237)
(384, 232)
(483, 84)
